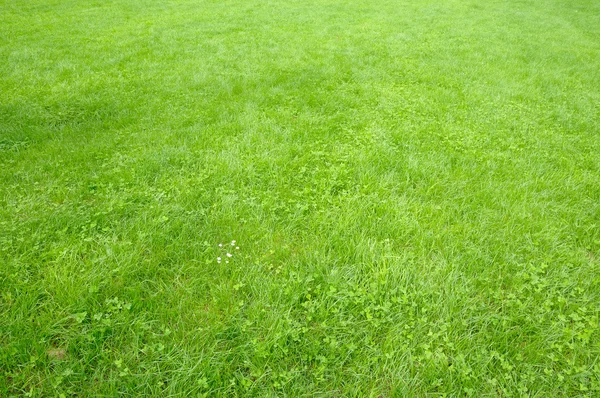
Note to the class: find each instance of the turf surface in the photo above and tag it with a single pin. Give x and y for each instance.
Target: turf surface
(414, 188)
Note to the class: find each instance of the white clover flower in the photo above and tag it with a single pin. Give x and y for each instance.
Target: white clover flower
(229, 254)
(220, 245)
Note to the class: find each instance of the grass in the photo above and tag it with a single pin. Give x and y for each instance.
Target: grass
(413, 187)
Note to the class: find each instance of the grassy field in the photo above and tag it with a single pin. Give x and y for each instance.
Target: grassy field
(412, 188)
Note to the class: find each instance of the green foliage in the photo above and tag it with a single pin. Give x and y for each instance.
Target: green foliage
(268, 198)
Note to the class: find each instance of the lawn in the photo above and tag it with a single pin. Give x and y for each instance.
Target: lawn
(318, 198)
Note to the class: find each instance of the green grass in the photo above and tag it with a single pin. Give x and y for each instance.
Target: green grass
(414, 187)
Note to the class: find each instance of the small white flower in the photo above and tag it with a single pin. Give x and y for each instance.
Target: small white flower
(220, 245)
(232, 243)
(218, 258)
(226, 261)
(229, 254)
(237, 248)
